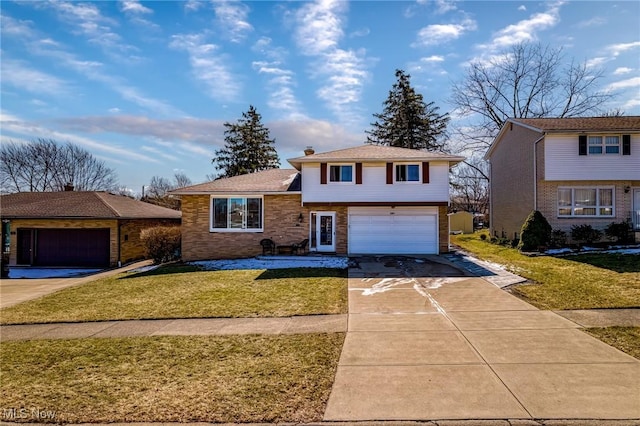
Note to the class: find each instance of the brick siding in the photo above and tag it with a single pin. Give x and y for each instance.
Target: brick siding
(131, 247)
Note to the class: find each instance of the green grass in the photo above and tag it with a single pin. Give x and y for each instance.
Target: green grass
(171, 379)
(185, 292)
(627, 339)
(574, 282)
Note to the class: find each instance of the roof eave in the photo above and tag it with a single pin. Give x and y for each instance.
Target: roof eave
(221, 192)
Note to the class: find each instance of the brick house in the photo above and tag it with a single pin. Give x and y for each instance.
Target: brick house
(366, 199)
(77, 228)
(573, 170)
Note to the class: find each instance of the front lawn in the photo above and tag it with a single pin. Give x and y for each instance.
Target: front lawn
(627, 339)
(595, 280)
(185, 292)
(240, 379)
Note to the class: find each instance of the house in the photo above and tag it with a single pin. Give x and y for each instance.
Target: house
(74, 228)
(362, 200)
(573, 170)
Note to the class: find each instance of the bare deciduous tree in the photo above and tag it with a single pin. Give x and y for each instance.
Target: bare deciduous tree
(526, 81)
(470, 186)
(157, 192)
(45, 165)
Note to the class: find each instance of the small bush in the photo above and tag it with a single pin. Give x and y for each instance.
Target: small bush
(558, 238)
(535, 232)
(622, 232)
(585, 233)
(162, 243)
(483, 237)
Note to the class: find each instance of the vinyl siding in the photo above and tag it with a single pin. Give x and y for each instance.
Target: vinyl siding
(374, 187)
(562, 161)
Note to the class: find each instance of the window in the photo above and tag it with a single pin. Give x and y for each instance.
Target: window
(407, 173)
(341, 173)
(574, 202)
(236, 214)
(604, 144)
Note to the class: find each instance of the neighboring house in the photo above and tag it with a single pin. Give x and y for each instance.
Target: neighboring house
(362, 200)
(77, 228)
(573, 170)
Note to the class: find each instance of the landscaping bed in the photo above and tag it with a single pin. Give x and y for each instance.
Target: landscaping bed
(184, 291)
(241, 379)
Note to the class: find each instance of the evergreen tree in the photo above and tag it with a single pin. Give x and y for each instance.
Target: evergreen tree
(407, 121)
(248, 147)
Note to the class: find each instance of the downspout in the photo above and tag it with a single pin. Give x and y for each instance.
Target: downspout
(535, 173)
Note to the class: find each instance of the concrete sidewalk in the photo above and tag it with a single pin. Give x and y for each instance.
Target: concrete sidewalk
(177, 327)
(455, 347)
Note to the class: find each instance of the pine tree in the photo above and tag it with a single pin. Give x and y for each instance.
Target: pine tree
(248, 147)
(407, 121)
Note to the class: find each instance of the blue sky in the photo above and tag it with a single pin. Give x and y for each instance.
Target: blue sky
(146, 86)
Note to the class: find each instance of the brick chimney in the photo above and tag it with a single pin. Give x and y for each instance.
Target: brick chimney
(309, 151)
(69, 187)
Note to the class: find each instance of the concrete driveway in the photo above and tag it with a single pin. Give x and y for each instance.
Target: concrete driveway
(14, 291)
(427, 342)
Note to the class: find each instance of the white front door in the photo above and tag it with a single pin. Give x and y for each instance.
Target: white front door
(323, 231)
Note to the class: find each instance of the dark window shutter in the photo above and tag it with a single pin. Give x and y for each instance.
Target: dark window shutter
(323, 173)
(358, 173)
(389, 173)
(582, 145)
(626, 144)
(425, 172)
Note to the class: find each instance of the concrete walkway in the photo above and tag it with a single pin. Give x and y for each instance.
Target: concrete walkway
(456, 347)
(177, 327)
(14, 291)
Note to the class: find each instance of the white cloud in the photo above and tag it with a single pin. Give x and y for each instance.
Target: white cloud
(525, 30)
(617, 49)
(444, 6)
(134, 6)
(596, 62)
(17, 74)
(522, 8)
(625, 84)
(344, 72)
(433, 59)
(264, 47)
(442, 33)
(15, 27)
(622, 70)
(593, 22)
(362, 32)
(115, 110)
(193, 5)
(232, 17)
(208, 66)
(281, 87)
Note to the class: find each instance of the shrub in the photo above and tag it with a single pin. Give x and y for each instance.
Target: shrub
(622, 232)
(585, 233)
(162, 243)
(483, 237)
(558, 238)
(535, 232)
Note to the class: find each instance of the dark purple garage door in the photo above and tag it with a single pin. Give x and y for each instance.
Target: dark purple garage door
(71, 247)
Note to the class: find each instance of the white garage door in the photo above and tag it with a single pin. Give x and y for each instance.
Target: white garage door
(402, 230)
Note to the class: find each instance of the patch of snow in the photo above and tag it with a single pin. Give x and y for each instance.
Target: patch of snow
(41, 273)
(275, 263)
(559, 251)
(143, 269)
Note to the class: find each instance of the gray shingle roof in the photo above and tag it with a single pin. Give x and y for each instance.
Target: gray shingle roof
(578, 124)
(80, 204)
(368, 152)
(267, 181)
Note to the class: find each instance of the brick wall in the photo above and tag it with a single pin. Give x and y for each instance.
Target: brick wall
(548, 203)
(281, 213)
(512, 180)
(131, 248)
(443, 230)
(65, 223)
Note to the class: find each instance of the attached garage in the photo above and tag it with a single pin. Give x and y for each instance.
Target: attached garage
(64, 247)
(388, 230)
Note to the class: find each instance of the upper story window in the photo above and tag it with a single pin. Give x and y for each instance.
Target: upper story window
(585, 201)
(407, 173)
(341, 173)
(604, 145)
(236, 214)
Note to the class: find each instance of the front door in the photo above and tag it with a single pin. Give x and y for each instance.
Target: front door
(323, 231)
(25, 247)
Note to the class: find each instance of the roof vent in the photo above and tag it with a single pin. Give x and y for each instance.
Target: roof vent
(309, 151)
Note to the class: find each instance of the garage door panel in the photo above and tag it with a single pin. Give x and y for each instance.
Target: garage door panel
(393, 231)
(72, 247)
